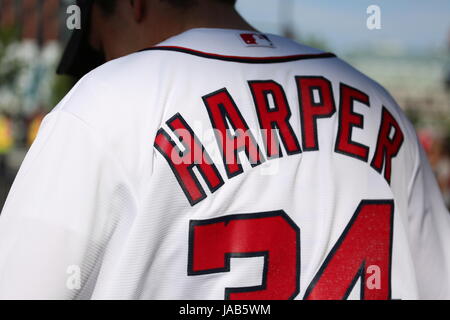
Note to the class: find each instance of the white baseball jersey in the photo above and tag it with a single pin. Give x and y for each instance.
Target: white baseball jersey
(225, 164)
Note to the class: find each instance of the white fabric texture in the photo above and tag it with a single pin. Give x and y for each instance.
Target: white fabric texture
(94, 193)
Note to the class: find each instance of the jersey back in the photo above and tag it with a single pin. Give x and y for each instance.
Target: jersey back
(252, 167)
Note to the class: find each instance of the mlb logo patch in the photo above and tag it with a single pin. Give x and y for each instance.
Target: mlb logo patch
(256, 40)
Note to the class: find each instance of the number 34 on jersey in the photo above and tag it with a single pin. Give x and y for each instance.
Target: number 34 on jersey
(362, 252)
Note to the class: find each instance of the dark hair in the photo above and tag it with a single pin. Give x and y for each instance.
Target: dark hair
(108, 6)
(187, 3)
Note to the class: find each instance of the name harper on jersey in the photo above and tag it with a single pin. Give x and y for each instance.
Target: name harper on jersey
(316, 102)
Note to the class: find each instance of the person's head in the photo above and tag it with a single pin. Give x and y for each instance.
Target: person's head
(121, 27)
(114, 28)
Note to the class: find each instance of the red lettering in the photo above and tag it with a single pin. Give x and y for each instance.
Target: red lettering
(274, 117)
(220, 106)
(312, 109)
(183, 162)
(348, 119)
(387, 146)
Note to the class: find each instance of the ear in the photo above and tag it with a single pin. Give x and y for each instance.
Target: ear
(138, 7)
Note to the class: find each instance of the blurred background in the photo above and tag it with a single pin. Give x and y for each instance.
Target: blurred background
(409, 54)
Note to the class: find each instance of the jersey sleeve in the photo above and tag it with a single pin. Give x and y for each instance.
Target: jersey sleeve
(429, 229)
(61, 211)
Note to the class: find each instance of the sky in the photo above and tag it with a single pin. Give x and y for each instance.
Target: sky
(406, 25)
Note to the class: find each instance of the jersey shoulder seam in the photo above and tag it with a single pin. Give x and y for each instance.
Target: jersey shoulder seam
(102, 146)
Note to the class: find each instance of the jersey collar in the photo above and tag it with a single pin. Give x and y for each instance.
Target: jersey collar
(235, 43)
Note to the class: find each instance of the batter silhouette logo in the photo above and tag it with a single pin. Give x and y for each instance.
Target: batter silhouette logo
(256, 40)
